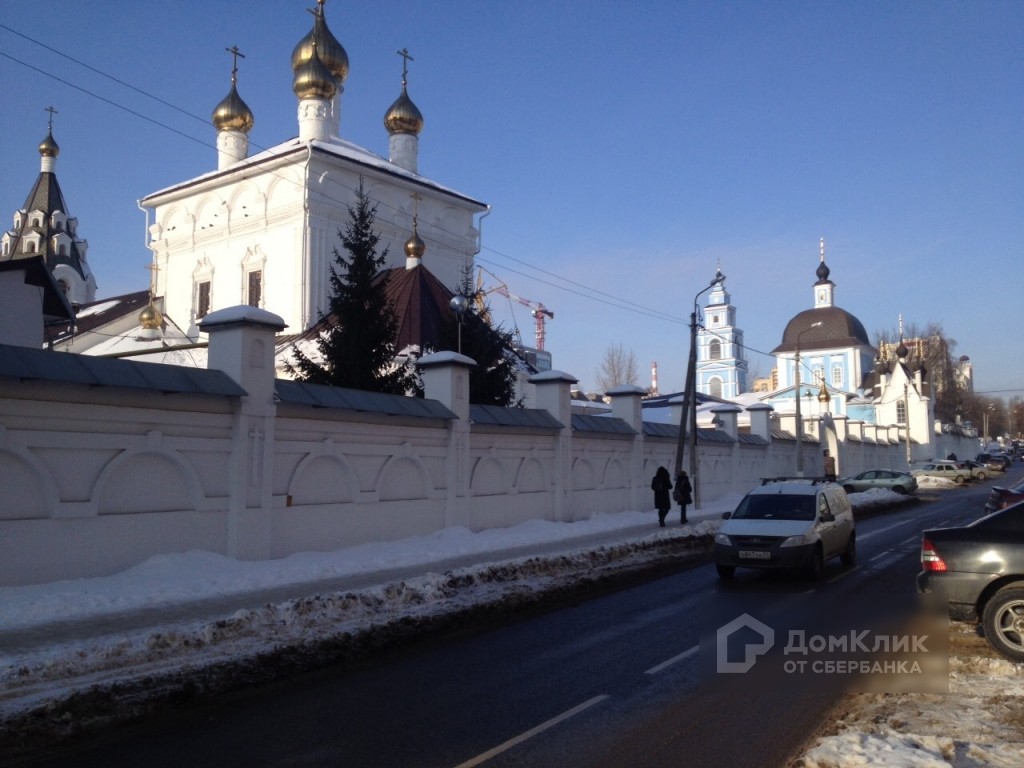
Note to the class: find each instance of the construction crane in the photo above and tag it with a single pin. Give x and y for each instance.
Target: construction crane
(538, 310)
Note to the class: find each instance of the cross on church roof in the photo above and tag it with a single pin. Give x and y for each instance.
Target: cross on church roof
(235, 54)
(49, 122)
(406, 58)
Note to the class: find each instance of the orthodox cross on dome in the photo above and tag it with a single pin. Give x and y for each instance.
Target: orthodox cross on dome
(49, 121)
(406, 58)
(235, 55)
(821, 248)
(319, 10)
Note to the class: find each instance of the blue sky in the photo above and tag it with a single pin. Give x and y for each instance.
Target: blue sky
(625, 148)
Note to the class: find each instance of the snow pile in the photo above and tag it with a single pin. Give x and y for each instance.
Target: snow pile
(38, 681)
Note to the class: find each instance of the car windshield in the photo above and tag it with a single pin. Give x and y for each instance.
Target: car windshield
(775, 507)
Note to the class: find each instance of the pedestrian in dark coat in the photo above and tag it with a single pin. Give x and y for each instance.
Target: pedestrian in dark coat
(662, 485)
(682, 494)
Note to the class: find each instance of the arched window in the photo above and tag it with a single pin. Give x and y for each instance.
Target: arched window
(715, 350)
(715, 387)
(837, 376)
(818, 374)
(901, 411)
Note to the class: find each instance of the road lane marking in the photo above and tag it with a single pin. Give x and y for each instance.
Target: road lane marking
(684, 655)
(484, 757)
(863, 536)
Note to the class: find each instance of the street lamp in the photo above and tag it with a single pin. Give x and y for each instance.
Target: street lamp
(799, 417)
(459, 304)
(689, 413)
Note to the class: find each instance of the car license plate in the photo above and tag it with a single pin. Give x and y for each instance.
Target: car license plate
(755, 554)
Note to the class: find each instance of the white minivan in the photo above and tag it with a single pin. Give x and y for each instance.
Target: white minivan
(787, 523)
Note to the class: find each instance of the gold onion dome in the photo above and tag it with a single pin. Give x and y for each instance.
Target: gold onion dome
(403, 116)
(48, 147)
(233, 114)
(414, 246)
(150, 318)
(327, 47)
(313, 80)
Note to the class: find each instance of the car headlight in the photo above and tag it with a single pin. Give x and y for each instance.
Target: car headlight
(724, 540)
(799, 541)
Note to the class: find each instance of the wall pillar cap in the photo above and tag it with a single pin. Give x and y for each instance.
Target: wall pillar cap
(553, 376)
(446, 357)
(241, 315)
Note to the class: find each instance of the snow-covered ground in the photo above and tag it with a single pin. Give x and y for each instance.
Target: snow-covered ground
(66, 641)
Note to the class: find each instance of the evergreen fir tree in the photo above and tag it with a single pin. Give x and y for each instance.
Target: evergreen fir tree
(358, 347)
(493, 380)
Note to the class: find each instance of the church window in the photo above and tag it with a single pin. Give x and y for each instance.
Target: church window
(818, 375)
(715, 387)
(715, 350)
(837, 375)
(202, 299)
(901, 412)
(714, 319)
(255, 288)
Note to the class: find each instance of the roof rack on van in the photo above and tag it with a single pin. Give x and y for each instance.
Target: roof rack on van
(793, 479)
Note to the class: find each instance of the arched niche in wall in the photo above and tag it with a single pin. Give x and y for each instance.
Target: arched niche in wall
(322, 479)
(27, 489)
(146, 481)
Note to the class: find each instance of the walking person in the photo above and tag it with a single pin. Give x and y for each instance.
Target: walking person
(682, 494)
(661, 484)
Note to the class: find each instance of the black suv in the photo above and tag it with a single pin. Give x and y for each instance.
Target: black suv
(976, 573)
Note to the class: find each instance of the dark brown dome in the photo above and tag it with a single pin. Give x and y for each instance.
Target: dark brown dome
(838, 329)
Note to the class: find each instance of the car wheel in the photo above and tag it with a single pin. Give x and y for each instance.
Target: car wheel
(899, 489)
(849, 557)
(959, 480)
(981, 475)
(816, 567)
(726, 572)
(1003, 621)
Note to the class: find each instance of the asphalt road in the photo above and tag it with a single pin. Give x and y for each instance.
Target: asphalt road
(611, 681)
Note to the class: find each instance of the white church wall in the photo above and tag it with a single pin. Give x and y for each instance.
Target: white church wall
(100, 479)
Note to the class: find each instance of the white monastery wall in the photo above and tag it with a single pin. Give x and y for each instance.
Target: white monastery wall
(98, 479)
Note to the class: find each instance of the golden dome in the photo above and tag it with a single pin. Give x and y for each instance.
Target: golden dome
(48, 147)
(331, 52)
(403, 116)
(150, 318)
(313, 80)
(233, 114)
(414, 246)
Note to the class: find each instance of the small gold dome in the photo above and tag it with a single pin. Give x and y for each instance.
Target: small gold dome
(313, 80)
(331, 52)
(150, 318)
(233, 114)
(414, 246)
(403, 116)
(48, 147)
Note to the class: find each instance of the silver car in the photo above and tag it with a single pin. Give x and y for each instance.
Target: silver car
(888, 479)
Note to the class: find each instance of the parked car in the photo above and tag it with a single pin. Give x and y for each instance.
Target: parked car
(976, 573)
(978, 471)
(787, 523)
(1001, 498)
(994, 461)
(889, 479)
(946, 469)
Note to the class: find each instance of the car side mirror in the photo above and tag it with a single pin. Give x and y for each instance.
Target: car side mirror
(826, 517)
(726, 515)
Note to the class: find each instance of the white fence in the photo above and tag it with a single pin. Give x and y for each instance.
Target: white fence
(107, 463)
